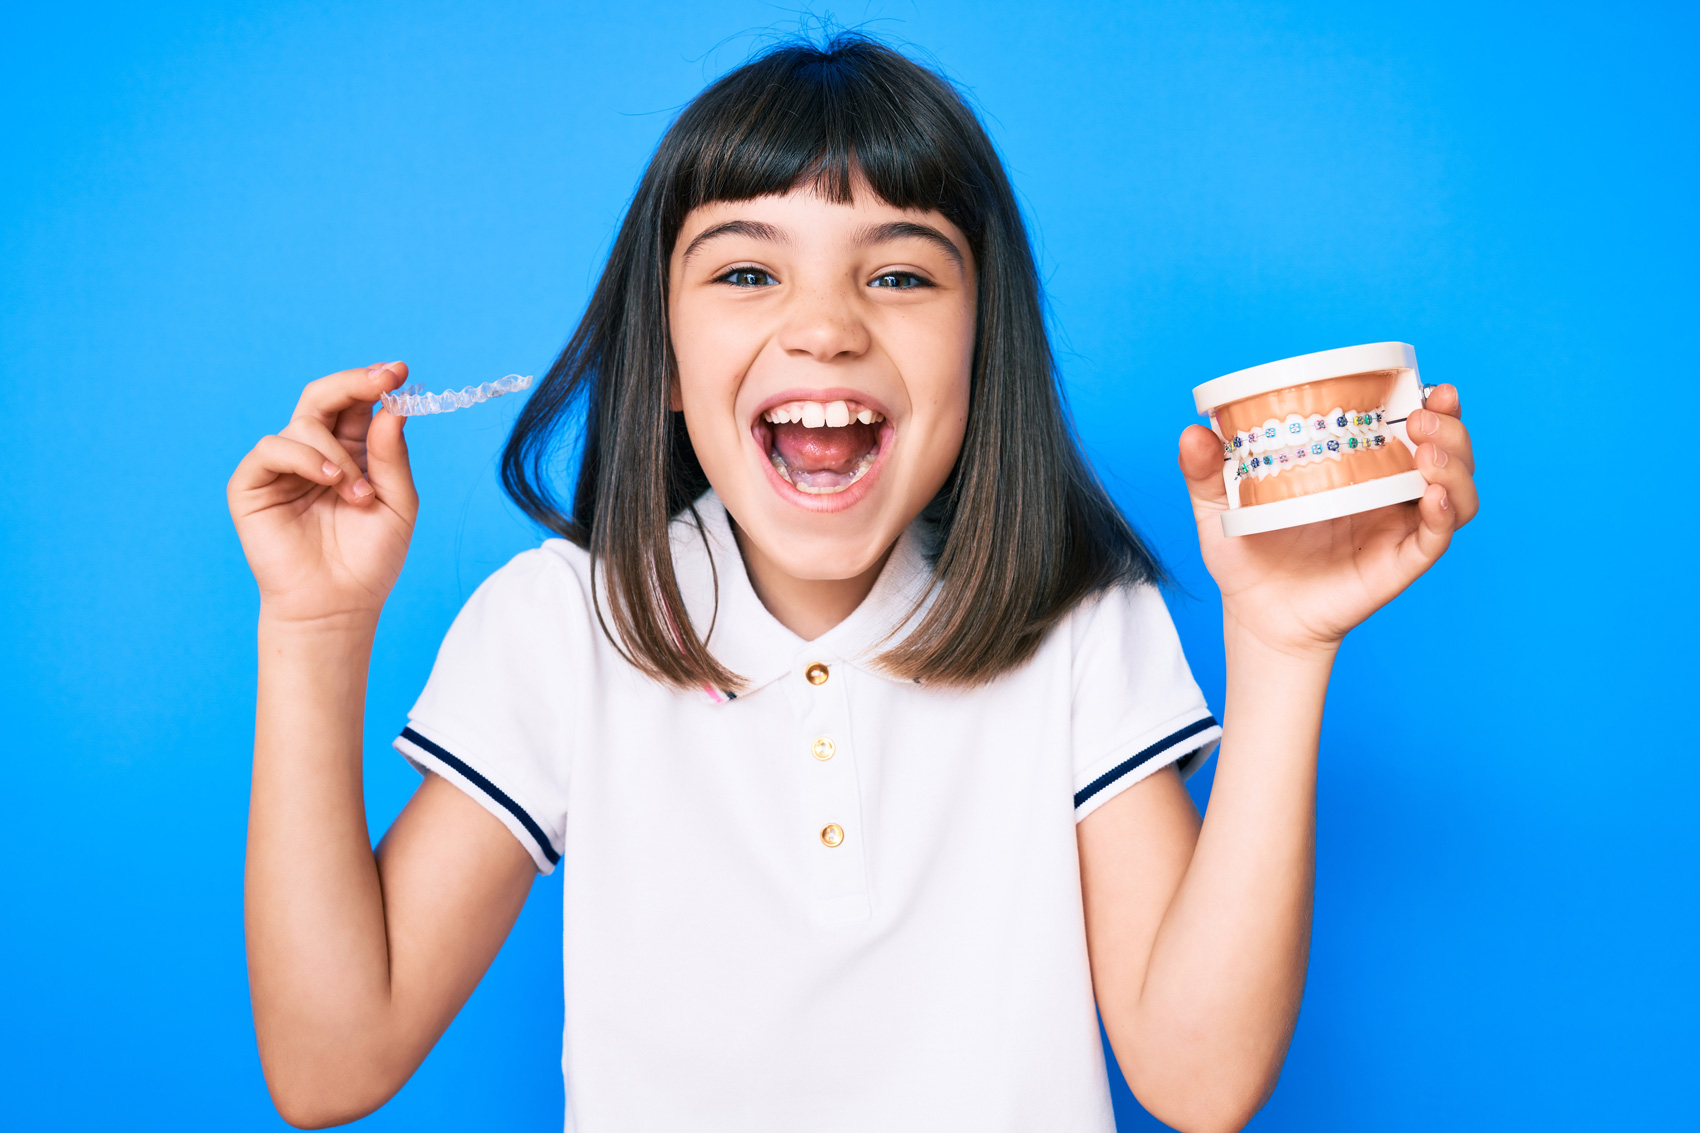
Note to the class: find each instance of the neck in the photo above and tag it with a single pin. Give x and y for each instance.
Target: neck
(808, 607)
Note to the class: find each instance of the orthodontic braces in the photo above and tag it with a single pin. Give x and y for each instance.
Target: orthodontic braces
(1277, 445)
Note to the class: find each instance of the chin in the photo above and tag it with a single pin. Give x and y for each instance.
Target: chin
(806, 540)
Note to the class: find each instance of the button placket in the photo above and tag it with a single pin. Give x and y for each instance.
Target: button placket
(834, 818)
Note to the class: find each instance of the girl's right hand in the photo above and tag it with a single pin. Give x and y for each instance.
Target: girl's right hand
(325, 508)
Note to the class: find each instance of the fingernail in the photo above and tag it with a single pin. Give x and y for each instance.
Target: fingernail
(1439, 457)
(1445, 503)
(394, 364)
(1431, 422)
(362, 488)
(332, 470)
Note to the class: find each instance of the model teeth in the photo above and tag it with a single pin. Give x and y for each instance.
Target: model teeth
(821, 414)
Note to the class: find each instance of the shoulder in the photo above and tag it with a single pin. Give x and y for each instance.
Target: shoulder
(1136, 705)
(1132, 609)
(1123, 636)
(541, 595)
(557, 568)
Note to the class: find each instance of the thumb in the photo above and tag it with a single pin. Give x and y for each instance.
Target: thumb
(1201, 465)
(387, 466)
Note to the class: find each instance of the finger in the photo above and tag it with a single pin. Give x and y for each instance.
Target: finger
(1444, 430)
(1201, 465)
(1436, 520)
(352, 485)
(351, 423)
(1444, 399)
(388, 467)
(1440, 467)
(278, 456)
(327, 397)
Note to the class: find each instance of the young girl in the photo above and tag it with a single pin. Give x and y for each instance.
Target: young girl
(845, 702)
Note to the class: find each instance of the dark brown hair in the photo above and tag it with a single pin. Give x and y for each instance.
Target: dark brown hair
(1024, 530)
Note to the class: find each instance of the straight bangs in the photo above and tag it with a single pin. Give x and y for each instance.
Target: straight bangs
(1023, 529)
(801, 118)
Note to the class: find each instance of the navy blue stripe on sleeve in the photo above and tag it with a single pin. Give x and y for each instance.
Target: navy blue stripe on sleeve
(488, 788)
(1167, 743)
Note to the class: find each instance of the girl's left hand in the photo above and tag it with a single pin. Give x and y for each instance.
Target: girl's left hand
(1300, 590)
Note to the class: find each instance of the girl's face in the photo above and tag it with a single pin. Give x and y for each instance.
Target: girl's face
(823, 360)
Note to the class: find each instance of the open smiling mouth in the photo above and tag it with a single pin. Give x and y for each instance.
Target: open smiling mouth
(821, 447)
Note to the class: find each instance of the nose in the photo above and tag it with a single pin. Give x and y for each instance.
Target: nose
(822, 323)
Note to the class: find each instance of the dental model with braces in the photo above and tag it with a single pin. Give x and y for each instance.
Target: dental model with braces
(1285, 459)
(414, 401)
(817, 415)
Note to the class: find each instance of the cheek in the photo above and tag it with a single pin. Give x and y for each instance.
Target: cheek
(937, 376)
(710, 358)
(943, 380)
(712, 354)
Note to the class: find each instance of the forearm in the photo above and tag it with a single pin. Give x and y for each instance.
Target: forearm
(317, 944)
(1221, 991)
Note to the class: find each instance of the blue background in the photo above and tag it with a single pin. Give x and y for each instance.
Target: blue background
(205, 206)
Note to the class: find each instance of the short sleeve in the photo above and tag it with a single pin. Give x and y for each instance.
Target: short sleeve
(493, 718)
(1136, 707)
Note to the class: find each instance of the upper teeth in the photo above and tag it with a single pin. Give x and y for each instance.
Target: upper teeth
(814, 414)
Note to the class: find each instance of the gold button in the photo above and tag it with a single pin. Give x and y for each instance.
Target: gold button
(817, 673)
(824, 749)
(832, 834)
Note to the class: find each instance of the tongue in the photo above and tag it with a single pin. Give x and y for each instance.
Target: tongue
(823, 450)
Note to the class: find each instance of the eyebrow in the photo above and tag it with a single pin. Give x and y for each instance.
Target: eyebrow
(873, 234)
(754, 229)
(909, 230)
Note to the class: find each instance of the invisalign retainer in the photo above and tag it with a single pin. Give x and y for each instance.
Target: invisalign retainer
(412, 401)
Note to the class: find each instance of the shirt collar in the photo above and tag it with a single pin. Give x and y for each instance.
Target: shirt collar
(750, 641)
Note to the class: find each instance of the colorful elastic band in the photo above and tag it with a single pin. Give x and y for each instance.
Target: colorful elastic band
(1276, 446)
(1262, 465)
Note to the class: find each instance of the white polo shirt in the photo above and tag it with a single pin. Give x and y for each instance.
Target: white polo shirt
(837, 901)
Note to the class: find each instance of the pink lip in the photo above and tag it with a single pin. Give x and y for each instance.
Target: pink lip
(850, 496)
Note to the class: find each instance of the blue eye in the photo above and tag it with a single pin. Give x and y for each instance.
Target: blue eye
(899, 280)
(748, 277)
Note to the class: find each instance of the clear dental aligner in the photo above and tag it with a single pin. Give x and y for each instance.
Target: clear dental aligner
(1277, 445)
(413, 401)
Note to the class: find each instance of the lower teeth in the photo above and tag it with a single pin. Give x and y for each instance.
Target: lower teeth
(866, 462)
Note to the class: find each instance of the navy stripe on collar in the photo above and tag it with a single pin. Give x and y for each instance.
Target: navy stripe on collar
(488, 788)
(1167, 743)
